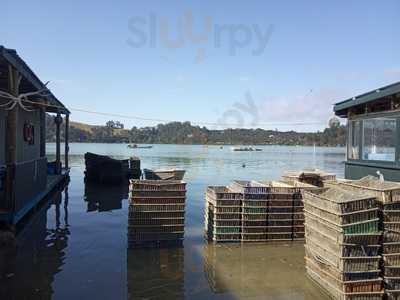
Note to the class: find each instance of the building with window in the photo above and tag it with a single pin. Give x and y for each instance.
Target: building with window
(373, 133)
(26, 176)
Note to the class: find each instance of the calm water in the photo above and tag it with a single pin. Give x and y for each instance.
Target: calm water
(76, 246)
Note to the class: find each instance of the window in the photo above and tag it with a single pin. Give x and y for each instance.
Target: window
(379, 139)
(354, 140)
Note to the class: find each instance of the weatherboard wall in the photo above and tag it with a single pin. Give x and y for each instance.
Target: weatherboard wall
(25, 151)
(2, 137)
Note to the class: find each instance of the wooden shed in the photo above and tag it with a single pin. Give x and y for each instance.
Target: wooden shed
(373, 133)
(26, 176)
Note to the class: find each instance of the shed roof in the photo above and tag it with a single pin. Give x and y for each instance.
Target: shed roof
(30, 81)
(341, 108)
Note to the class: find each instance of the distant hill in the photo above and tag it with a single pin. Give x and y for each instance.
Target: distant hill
(185, 133)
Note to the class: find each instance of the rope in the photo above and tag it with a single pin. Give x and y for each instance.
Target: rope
(17, 100)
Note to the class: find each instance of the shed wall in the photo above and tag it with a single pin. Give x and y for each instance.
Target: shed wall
(2, 137)
(26, 152)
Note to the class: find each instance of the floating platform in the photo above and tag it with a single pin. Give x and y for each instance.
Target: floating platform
(53, 182)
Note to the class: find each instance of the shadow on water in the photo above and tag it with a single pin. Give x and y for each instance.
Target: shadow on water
(155, 273)
(267, 271)
(104, 198)
(28, 270)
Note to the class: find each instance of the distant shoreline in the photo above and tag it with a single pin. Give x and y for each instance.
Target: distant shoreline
(216, 145)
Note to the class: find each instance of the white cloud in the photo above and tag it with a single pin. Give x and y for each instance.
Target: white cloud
(316, 107)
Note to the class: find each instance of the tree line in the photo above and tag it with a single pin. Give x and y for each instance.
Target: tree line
(186, 133)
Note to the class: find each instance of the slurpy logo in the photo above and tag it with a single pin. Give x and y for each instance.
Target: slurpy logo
(157, 31)
(235, 117)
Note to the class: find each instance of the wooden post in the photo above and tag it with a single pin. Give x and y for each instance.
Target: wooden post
(11, 139)
(58, 121)
(42, 112)
(12, 118)
(66, 137)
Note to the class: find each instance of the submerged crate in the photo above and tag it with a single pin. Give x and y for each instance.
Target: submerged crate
(373, 285)
(339, 295)
(339, 275)
(344, 264)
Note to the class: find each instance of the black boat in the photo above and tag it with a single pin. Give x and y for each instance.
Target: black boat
(135, 146)
(106, 170)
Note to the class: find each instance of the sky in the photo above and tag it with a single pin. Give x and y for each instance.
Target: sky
(262, 64)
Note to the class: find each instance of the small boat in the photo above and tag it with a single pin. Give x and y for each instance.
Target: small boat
(135, 146)
(246, 148)
(106, 170)
(164, 174)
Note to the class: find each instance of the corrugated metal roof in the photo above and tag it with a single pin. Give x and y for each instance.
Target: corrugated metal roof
(12, 57)
(385, 91)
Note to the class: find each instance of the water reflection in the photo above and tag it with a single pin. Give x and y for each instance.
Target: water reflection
(155, 273)
(105, 198)
(27, 271)
(100, 267)
(272, 271)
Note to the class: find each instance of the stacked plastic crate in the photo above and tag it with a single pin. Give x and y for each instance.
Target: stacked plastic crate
(223, 214)
(254, 210)
(284, 217)
(156, 213)
(388, 195)
(343, 243)
(285, 210)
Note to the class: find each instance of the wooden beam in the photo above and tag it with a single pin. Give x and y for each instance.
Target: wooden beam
(11, 137)
(66, 137)
(58, 121)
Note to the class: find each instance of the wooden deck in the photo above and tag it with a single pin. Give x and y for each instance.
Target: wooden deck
(53, 182)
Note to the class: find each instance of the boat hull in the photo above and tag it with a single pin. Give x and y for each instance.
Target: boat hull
(164, 174)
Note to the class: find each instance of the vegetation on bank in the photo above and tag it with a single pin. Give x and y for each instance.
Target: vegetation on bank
(185, 133)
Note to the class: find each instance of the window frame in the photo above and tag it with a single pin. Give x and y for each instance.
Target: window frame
(350, 135)
(362, 118)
